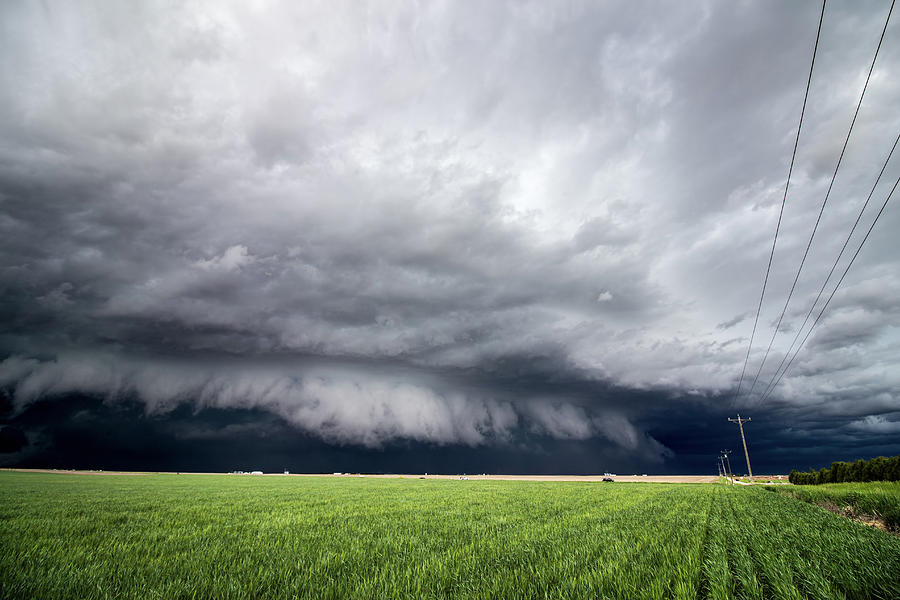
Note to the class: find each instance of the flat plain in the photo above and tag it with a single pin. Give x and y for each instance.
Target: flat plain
(231, 536)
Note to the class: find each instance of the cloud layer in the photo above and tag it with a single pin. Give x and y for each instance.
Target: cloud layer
(451, 223)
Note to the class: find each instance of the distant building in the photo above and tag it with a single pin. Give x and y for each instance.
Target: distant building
(256, 472)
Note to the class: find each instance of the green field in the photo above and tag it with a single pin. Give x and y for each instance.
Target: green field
(179, 536)
(879, 499)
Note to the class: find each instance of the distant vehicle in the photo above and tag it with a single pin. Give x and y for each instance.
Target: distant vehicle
(608, 479)
(256, 472)
(463, 478)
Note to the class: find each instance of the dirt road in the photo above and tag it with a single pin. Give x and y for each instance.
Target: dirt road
(621, 478)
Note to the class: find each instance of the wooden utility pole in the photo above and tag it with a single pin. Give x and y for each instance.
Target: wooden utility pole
(740, 423)
(722, 472)
(725, 454)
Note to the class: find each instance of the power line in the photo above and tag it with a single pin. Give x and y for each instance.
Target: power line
(824, 202)
(833, 266)
(784, 198)
(827, 302)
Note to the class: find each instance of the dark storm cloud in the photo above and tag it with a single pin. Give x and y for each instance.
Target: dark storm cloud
(454, 224)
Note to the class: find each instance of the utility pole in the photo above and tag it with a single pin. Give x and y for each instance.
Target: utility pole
(725, 453)
(740, 423)
(722, 472)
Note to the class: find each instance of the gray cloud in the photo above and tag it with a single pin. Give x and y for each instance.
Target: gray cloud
(876, 424)
(579, 194)
(336, 404)
(733, 321)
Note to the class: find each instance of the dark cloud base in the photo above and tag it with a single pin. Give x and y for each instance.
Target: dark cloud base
(84, 432)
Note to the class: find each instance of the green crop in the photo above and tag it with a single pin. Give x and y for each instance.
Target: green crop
(171, 536)
(879, 499)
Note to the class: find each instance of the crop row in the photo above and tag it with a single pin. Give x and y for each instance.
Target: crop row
(879, 500)
(229, 537)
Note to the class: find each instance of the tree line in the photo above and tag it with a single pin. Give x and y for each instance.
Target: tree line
(877, 469)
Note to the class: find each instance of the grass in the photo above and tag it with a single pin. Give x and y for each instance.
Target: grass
(880, 500)
(171, 536)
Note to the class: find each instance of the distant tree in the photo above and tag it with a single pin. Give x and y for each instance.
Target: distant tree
(894, 468)
(838, 472)
(867, 472)
(876, 469)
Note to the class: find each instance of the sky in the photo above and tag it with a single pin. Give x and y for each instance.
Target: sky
(443, 236)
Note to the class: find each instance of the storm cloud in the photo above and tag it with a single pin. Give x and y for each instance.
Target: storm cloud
(474, 227)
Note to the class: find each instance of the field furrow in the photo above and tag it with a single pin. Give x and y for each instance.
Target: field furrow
(168, 536)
